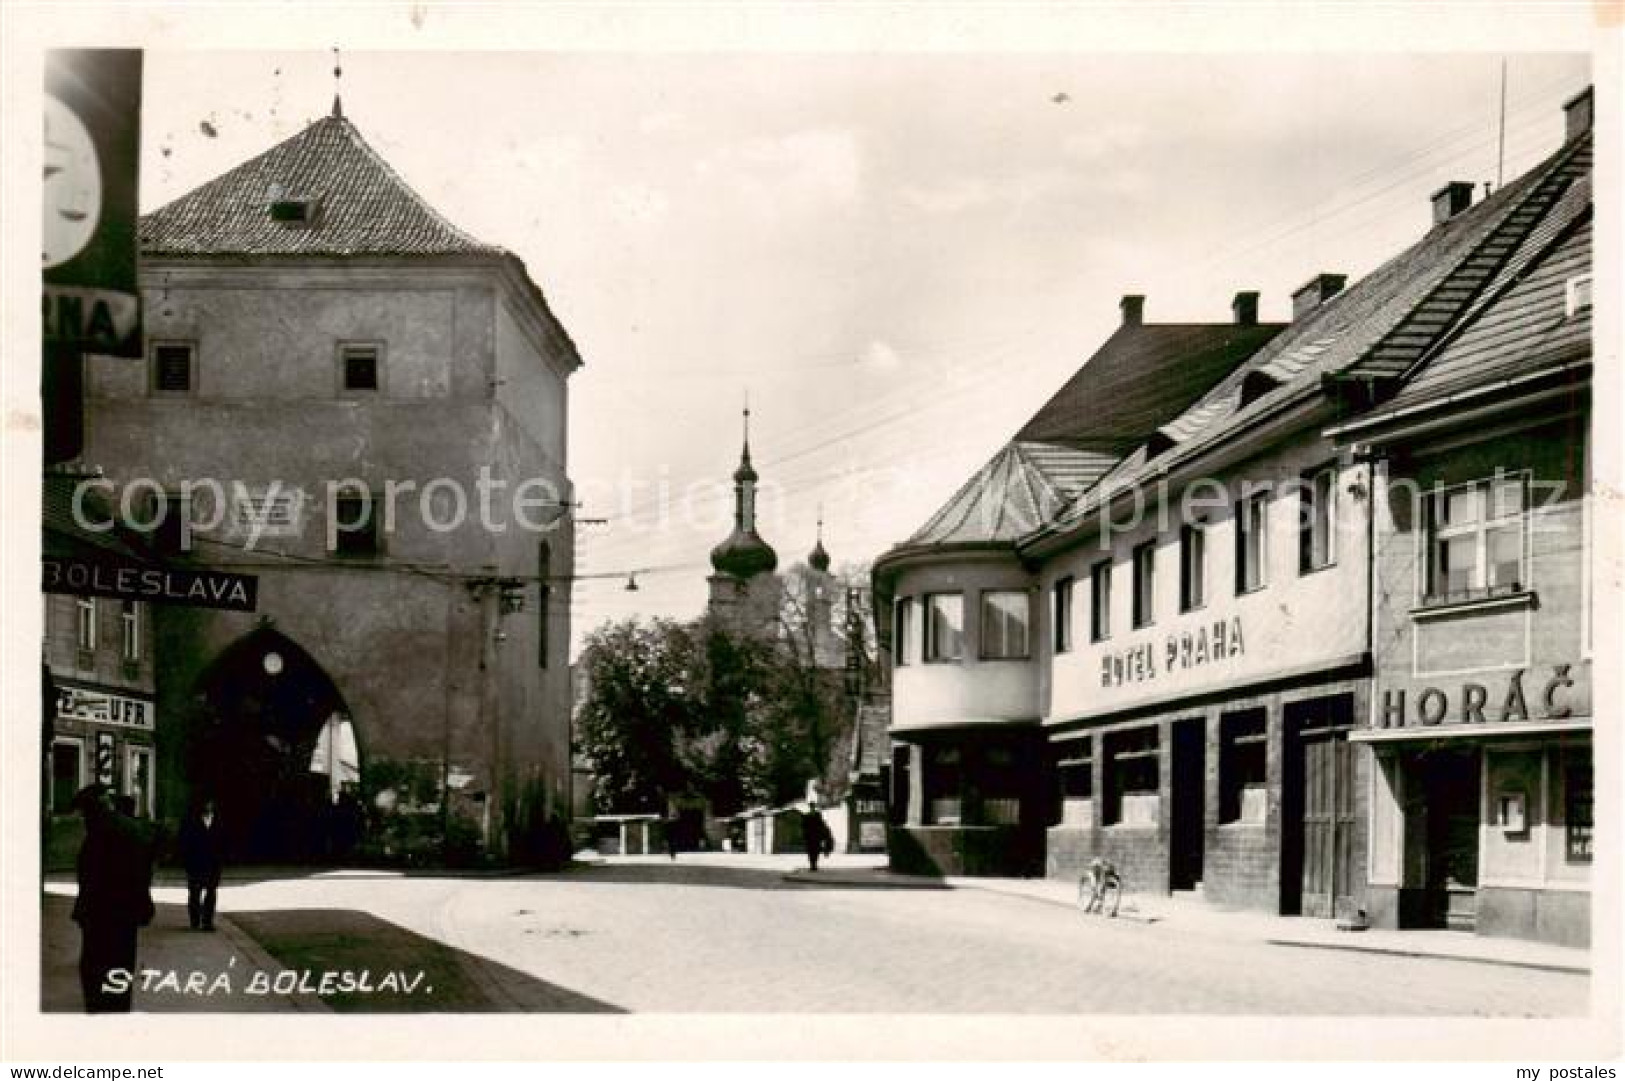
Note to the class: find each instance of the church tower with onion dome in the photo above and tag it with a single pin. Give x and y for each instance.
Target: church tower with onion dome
(745, 591)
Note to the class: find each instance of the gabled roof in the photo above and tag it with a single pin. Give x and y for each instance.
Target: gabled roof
(1141, 377)
(361, 206)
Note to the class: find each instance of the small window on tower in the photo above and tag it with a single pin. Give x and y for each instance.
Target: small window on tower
(172, 364)
(360, 368)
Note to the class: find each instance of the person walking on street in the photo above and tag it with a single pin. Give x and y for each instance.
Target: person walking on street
(815, 835)
(115, 899)
(202, 854)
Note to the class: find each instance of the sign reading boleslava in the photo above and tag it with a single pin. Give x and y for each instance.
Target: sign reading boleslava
(158, 585)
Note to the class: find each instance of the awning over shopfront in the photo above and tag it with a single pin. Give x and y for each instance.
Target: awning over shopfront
(1419, 733)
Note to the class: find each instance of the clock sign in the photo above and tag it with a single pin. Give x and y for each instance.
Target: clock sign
(73, 185)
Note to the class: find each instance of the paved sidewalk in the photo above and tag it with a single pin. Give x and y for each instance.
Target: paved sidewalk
(1195, 915)
(172, 950)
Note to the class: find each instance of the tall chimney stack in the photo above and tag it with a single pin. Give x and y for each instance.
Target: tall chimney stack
(1317, 291)
(1245, 307)
(1577, 114)
(1133, 310)
(1451, 200)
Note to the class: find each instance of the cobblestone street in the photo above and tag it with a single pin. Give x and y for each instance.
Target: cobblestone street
(720, 934)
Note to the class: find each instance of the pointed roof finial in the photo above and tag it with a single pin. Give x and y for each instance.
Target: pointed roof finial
(745, 472)
(338, 74)
(818, 559)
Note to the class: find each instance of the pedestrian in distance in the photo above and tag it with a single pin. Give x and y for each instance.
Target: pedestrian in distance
(114, 870)
(202, 853)
(815, 835)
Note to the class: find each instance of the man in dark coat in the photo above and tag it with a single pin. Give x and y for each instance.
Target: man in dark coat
(815, 835)
(115, 898)
(202, 853)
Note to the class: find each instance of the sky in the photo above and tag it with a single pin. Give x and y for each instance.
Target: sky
(897, 257)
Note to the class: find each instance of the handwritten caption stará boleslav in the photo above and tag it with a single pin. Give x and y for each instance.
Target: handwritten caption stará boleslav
(295, 981)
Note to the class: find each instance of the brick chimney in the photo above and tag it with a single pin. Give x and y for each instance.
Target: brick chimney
(1577, 114)
(1451, 200)
(1317, 291)
(1245, 307)
(1133, 310)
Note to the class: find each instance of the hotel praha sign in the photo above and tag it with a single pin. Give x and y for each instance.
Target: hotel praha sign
(102, 707)
(1181, 651)
(157, 585)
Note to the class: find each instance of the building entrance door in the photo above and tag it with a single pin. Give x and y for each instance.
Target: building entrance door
(1188, 792)
(1317, 798)
(1450, 795)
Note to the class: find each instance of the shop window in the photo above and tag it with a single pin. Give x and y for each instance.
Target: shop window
(944, 785)
(1100, 604)
(67, 774)
(1075, 783)
(85, 610)
(1192, 567)
(1251, 548)
(1476, 546)
(1317, 520)
(360, 368)
(1577, 812)
(1145, 583)
(902, 630)
(174, 368)
(1005, 615)
(130, 624)
(1063, 615)
(1132, 777)
(944, 626)
(355, 529)
(1243, 766)
(999, 784)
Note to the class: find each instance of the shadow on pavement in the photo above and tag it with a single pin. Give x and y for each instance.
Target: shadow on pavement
(374, 966)
(710, 875)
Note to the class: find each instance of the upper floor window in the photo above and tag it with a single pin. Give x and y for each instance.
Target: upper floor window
(902, 630)
(86, 624)
(355, 530)
(360, 367)
(1005, 615)
(1192, 567)
(1100, 603)
(1252, 518)
(174, 367)
(1063, 615)
(1476, 540)
(130, 622)
(1317, 520)
(1145, 583)
(944, 626)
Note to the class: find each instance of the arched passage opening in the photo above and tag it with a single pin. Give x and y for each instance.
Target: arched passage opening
(277, 754)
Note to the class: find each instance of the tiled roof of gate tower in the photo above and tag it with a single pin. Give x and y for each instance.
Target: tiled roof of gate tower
(362, 206)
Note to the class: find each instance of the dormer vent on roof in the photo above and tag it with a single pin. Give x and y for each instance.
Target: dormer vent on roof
(293, 212)
(1245, 309)
(1133, 308)
(1451, 200)
(1317, 291)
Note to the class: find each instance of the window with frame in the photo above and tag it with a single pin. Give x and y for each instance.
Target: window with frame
(67, 774)
(1476, 542)
(1075, 782)
(85, 609)
(1005, 616)
(902, 629)
(1317, 520)
(1062, 615)
(998, 783)
(1243, 765)
(1252, 520)
(174, 367)
(130, 624)
(1131, 775)
(1100, 603)
(944, 626)
(944, 785)
(360, 367)
(1192, 567)
(355, 526)
(1145, 583)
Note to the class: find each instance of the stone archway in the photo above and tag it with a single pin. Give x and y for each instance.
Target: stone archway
(267, 704)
